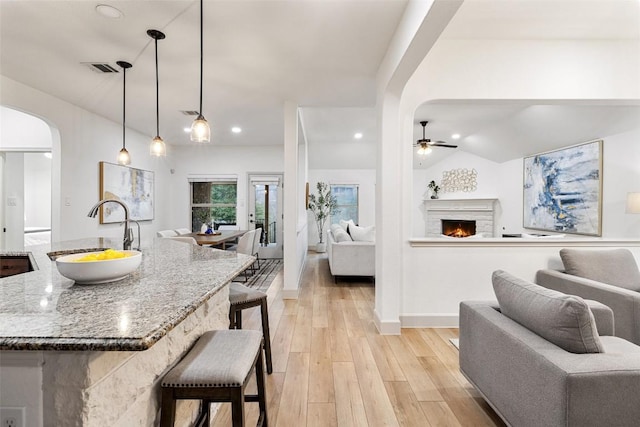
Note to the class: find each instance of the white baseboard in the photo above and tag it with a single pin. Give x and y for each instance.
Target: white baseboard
(430, 320)
(386, 327)
(289, 294)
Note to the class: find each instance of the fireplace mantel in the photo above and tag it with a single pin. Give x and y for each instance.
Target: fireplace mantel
(480, 210)
(460, 204)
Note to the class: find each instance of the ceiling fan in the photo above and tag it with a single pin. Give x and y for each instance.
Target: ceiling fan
(424, 145)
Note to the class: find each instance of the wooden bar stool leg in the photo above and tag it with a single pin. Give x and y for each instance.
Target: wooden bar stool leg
(168, 409)
(237, 407)
(264, 313)
(239, 319)
(262, 396)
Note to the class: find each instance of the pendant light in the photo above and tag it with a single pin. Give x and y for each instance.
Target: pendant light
(157, 147)
(123, 156)
(200, 131)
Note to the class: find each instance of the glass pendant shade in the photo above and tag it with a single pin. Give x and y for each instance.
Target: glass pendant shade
(157, 147)
(200, 130)
(123, 157)
(424, 150)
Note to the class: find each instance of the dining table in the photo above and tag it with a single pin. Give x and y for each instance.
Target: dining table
(217, 238)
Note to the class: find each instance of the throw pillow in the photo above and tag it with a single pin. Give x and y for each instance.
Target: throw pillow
(362, 234)
(564, 320)
(615, 266)
(345, 224)
(335, 228)
(341, 236)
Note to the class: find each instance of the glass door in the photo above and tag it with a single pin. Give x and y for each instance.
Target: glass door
(265, 211)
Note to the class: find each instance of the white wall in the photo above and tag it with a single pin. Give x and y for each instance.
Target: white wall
(23, 132)
(80, 141)
(37, 190)
(621, 156)
(366, 181)
(224, 160)
(434, 281)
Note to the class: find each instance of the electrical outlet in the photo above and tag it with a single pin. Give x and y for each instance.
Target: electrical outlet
(12, 416)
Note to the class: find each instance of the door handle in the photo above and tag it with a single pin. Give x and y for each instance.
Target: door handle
(251, 221)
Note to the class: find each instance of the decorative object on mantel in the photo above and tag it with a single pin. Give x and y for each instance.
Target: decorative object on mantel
(157, 147)
(200, 130)
(123, 156)
(461, 179)
(129, 185)
(435, 188)
(563, 190)
(322, 205)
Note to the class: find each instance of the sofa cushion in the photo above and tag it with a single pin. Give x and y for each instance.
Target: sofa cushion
(564, 320)
(614, 266)
(339, 235)
(362, 234)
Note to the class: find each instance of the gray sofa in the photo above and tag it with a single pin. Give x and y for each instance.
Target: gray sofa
(531, 381)
(608, 276)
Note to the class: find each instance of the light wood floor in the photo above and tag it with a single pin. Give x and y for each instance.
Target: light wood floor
(332, 368)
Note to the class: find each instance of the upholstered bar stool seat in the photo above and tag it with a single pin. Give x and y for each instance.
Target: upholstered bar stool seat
(242, 297)
(217, 369)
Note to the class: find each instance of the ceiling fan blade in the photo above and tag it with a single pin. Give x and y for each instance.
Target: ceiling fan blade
(437, 144)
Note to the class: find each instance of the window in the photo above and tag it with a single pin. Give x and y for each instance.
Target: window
(347, 197)
(213, 202)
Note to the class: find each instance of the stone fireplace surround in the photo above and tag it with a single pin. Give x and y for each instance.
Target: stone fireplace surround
(482, 211)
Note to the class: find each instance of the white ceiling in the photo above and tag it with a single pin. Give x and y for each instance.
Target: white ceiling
(258, 54)
(504, 130)
(323, 54)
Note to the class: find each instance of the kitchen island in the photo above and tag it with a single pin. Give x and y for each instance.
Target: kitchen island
(93, 355)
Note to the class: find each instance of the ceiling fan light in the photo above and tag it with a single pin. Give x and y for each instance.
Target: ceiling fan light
(200, 130)
(123, 157)
(157, 147)
(424, 149)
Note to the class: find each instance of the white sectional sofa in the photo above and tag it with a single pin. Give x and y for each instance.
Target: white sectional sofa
(348, 257)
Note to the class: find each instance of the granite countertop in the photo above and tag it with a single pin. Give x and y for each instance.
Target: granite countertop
(42, 310)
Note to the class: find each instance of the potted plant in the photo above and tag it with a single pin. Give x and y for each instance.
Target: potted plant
(322, 206)
(434, 189)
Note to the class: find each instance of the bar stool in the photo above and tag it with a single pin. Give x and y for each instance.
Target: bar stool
(217, 369)
(242, 297)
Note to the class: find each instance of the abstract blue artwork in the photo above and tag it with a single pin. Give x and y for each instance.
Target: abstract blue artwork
(563, 190)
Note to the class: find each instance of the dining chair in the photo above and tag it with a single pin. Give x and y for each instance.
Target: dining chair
(256, 245)
(166, 233)
(182, 231)
(245, 246)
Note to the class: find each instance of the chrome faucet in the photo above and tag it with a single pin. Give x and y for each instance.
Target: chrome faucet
(128, 233)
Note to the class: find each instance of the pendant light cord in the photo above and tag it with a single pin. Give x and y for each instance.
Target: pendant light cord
(157, 94)
(201, 53)
(124, 105)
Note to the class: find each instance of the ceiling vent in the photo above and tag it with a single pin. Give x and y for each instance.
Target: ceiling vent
(101, 67)
(189, 112)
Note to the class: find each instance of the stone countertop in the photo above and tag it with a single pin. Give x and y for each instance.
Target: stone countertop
(42, 310)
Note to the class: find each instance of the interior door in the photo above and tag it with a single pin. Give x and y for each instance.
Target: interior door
(265, 211)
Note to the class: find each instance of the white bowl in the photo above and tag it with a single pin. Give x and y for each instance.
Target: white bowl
(94, 272)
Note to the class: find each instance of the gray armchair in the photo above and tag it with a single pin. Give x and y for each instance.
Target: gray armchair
(608, 276)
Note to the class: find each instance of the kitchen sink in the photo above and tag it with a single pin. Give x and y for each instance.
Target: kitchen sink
(16, 263)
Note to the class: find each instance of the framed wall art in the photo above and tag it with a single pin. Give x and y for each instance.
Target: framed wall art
(132, 186)
(563, 190)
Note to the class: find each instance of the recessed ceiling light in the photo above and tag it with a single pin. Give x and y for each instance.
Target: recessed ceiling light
(236, 129)
(358, 135)
(109, 11)
(187, 130)
(455, 136)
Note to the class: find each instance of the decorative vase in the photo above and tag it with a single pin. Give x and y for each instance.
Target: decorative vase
(321, 247)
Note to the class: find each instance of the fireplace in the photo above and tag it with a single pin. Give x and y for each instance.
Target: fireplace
(481, 211)
(458, 227)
